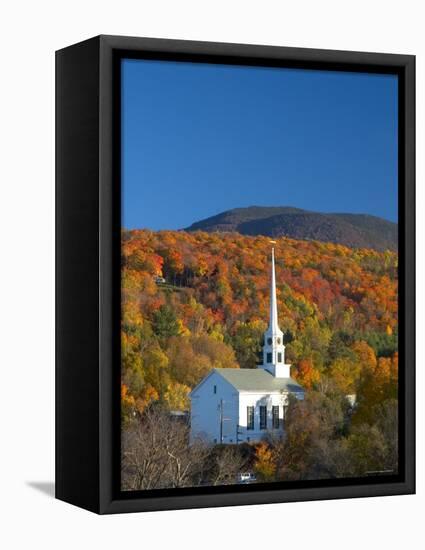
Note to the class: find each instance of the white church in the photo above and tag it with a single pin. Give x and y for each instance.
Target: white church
(244, 405)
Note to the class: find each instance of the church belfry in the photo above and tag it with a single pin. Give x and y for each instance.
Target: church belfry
(274, 350)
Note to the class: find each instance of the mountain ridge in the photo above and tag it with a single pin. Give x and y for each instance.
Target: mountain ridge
(353, 230)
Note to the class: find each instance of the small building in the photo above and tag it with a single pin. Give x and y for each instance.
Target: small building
(244, 405)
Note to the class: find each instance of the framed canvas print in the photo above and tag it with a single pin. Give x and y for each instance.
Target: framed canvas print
(235, 274)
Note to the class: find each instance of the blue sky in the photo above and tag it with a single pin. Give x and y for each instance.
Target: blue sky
(199, 139)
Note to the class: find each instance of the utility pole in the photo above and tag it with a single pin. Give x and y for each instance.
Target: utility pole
(221, 420)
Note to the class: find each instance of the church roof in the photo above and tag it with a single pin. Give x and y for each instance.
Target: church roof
(258, 380)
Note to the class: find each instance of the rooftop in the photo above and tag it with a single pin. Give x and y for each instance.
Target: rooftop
(258, 380)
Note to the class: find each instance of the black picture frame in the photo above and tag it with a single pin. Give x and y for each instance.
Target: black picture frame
(88, 273)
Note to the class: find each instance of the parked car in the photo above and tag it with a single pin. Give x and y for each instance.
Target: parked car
(246, 477)
(160, 280)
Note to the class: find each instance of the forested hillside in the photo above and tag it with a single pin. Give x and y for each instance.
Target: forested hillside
(195, 301)
(337, 308)
(354, 230)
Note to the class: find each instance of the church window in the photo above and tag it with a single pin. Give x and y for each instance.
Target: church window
(269, 341)
(215, 389)
(269, 358)
(263, 417)
(279, 357)
(275, 417)
(250, 418)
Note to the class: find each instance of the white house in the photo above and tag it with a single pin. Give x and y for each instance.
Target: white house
(243, 405)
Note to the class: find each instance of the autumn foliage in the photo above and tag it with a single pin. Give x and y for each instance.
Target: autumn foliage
(337, 309)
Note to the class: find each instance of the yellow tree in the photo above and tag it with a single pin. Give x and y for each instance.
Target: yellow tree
(265, 464)
(177, 396)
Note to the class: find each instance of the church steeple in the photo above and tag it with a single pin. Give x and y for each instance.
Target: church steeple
(274, 350)
(273, 322)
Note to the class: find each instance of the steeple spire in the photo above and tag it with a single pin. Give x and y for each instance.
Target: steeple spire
(274, 349)
(273, 323)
